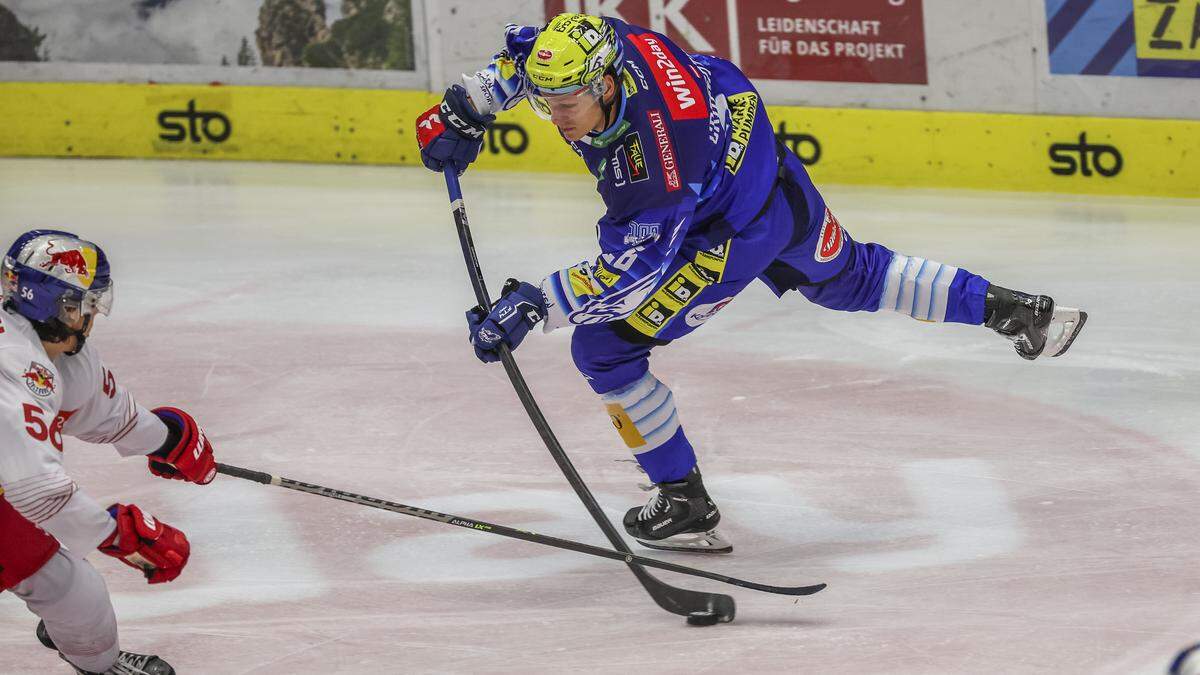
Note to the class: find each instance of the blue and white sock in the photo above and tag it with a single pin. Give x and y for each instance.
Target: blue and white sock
(927, 290)
(645, 417)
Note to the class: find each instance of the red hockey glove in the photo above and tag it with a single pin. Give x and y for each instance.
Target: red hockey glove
(142, 542)
(187, 454)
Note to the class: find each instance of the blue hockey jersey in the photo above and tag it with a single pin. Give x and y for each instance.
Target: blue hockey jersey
(689, 161)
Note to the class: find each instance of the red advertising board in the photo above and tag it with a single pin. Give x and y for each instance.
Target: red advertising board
(832, 40)
(835, 40)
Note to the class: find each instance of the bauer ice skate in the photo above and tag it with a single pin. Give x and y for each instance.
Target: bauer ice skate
(681, 517)
(1033, 322)
(128, 663)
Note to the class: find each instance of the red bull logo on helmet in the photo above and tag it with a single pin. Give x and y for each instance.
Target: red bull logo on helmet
(75, 265)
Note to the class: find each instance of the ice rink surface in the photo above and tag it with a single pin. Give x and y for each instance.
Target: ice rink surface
(971, 512)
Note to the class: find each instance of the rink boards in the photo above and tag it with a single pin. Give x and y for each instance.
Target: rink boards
(373, 126)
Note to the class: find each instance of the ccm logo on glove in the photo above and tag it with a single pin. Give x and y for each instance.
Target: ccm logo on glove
(451, 132)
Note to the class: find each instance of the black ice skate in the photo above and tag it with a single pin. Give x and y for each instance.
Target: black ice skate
(128, 663)
(680, 517)
(1032, 322)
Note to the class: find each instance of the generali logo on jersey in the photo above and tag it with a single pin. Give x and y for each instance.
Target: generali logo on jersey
(666, 151)
(830, 244)
(684, 98)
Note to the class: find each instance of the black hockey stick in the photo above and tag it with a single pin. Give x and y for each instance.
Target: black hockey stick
(502, 530)
(679, 601)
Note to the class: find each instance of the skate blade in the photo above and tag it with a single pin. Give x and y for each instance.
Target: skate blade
(691, 542)
(1064, 327)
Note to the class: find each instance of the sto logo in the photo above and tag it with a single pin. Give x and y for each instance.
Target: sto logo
(831, 241)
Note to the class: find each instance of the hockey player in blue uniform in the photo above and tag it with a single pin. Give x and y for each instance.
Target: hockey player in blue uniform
(701, 200)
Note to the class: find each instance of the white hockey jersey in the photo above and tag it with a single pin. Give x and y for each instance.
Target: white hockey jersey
(41, 401)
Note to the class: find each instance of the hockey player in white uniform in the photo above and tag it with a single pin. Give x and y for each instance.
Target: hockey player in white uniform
(54, 384)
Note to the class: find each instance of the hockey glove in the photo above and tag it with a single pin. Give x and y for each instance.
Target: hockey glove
(451, 132)
(519, 309)
(147, 544)
(187, 454)
(518, 42)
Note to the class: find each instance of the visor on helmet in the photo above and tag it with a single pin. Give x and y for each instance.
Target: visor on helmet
(90, 302)
(538, 99)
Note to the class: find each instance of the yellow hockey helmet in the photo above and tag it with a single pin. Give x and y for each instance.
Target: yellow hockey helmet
(573, 51)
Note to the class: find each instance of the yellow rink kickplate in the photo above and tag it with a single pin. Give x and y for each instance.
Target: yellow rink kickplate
(875, 147)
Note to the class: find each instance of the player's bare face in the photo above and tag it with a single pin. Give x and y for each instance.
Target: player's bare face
(576, 114)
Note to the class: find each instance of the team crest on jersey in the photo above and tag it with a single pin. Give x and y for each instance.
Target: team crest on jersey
(39, 379)
(832, 239)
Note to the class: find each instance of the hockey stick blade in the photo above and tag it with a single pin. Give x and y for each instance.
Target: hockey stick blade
(502, 530)
(676, 600)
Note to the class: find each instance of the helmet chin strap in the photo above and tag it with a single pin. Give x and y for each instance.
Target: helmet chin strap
(607, 108)
(55, 330)
(81, 335)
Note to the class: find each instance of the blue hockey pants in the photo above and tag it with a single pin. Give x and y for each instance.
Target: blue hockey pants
(795, 244)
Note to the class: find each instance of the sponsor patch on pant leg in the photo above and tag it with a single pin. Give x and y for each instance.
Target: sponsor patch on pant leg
(643, 413)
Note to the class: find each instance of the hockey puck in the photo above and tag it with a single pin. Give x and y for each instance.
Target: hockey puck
(702, 619)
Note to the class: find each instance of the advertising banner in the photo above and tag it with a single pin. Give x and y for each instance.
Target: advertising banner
(1135, 38)
(833, 40)
(828, 40)
(879, 147)
(282, 124)
(351, 34)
